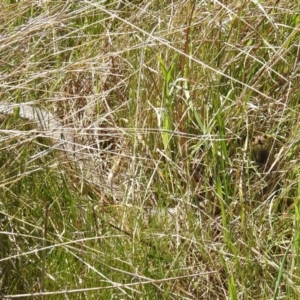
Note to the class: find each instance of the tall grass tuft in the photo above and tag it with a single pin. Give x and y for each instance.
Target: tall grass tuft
(149, 186)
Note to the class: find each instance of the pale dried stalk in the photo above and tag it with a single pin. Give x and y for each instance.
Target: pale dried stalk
(87, 162)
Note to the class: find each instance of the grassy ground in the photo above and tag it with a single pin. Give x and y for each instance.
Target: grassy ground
(178, 89)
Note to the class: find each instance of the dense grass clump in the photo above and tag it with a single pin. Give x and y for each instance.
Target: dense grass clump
(172, 170)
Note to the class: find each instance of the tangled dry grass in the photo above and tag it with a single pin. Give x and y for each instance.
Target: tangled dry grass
(126, 139)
